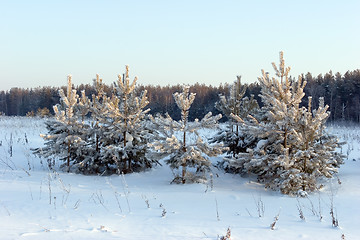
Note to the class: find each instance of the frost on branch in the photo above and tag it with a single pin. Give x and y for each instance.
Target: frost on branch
(235, 105)
(293, 150)
(176, 140)
(125, 134)
(104, 135)
(65, 137)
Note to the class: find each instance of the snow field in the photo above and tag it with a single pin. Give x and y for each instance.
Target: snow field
(38, 203)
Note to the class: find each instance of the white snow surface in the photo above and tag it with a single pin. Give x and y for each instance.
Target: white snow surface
(38, 203)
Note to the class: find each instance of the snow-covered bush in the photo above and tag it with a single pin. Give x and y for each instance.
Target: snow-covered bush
(293, 149)
(104, 135)
(181, 141)
(124, 134)
(65, 137)
(235, 104)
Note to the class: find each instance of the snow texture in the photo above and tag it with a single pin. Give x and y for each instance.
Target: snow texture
(38, 203)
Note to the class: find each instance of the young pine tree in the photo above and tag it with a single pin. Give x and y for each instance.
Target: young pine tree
(124, 132)
(293, 151)
(181, 141)
(315, 155)
(235, 104)
(65, 137)
(89, 110)
(104, 135)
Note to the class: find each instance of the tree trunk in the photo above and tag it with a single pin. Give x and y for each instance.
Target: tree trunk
(126, 160)
(285, 138)
(184, 163)
(68, 158)
(97, 143)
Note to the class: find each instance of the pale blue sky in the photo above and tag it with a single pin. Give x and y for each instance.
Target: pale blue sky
(170, 42)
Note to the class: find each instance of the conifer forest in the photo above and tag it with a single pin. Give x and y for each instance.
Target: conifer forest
(341, 91)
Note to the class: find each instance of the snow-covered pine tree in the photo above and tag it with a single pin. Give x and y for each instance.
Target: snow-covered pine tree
(176, 139)
(88, 111)
(124, 133)
(65, 133)
(289, 155)
(235, 104)
(92, 163)
(315, 155)
(104, 135)
(231, 104)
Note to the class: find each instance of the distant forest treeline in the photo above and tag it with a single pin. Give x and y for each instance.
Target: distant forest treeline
(341, 93)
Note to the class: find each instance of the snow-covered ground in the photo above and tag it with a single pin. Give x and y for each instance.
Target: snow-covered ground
(37, 203)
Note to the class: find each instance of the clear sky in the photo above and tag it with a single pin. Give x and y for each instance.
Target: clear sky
(170, 42)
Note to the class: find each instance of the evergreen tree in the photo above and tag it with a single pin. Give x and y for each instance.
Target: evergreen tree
(176, 140)
(293, 150)
(104, 135)
(65, 134)
(124, 132)
(93, 163)
(235, 104)
(315, 155)
(87, 163)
